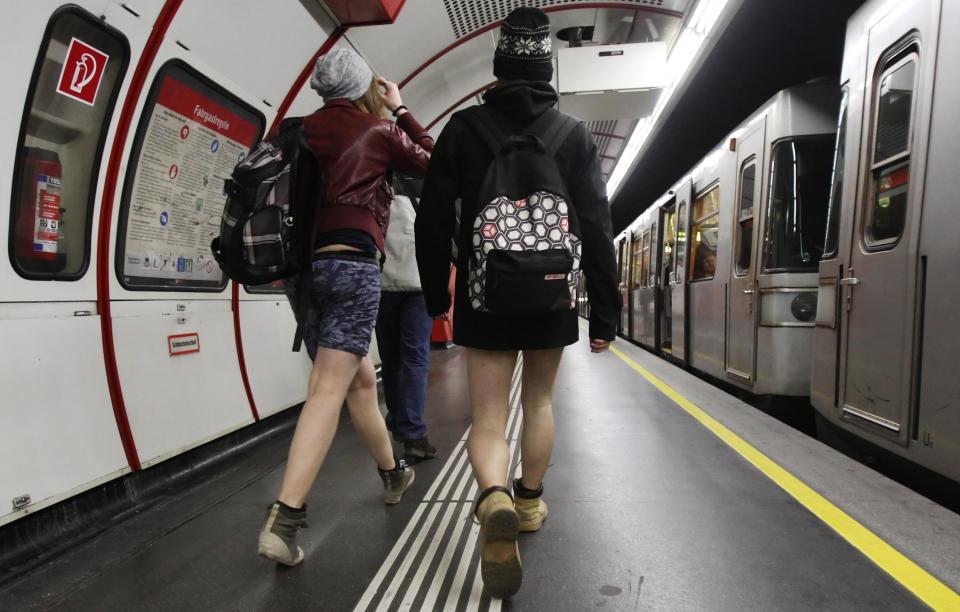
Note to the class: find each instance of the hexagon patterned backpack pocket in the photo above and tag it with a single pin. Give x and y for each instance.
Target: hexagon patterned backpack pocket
(525, 255)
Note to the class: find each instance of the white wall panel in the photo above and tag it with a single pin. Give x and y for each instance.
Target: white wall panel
(278, 376)
(261, 46)
(175, 403)
(57, 429)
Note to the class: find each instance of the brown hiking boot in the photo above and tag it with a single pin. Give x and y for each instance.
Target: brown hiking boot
(531, 508)
(396, 481)
(500, 564)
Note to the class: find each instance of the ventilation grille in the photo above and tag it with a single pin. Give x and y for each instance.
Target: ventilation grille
(468, 16)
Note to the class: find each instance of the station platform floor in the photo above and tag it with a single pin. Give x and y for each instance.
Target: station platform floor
(665, 494)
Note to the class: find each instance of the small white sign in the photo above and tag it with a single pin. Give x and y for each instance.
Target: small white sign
(183, 344)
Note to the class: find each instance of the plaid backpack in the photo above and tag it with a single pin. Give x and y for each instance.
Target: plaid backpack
(264, 234)
(525, 255)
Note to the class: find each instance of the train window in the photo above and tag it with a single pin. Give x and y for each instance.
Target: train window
(645, 260)
(623, 261)
(667, 247)
(836, 182)
(191, 135)
(681, 242)
(72, 94)
(797, 206)
(744, 250)
(274, 288)
(706, 233)
(635, 263)
(893, 123)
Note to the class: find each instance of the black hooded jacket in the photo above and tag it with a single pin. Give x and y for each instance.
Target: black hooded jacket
(457, 168)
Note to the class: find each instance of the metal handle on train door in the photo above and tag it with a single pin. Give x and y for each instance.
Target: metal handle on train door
(748, 292)
(850, 281)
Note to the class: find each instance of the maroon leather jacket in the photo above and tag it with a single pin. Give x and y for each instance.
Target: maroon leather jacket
(355, 151)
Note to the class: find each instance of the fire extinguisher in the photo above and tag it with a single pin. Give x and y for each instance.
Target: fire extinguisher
(39, 231)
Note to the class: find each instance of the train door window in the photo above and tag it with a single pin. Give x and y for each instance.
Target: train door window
(645, 259)
(72, 95)
(744, 250)
(192, 134)
(681, 247)
(635, 263)
(836, 183)
(623, 260)
(706, 232)
(668, 246)
(797, 204)
(893, 125)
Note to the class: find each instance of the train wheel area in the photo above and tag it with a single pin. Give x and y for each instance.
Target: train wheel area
(664, 493)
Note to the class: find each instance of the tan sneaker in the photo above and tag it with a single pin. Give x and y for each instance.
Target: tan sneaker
(500, 565)
(531, 508)
(278, 538)
(396, 481)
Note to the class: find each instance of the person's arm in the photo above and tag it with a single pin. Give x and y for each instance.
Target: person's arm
(589, 200)
(435, 221)
(409, 144)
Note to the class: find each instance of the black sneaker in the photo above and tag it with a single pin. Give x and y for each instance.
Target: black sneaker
(396, 481)
(278, 538)
(418, 450)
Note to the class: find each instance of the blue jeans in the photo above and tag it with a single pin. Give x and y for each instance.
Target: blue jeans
(403, 337)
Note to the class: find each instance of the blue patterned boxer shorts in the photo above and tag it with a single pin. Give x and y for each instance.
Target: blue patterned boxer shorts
(341, 306)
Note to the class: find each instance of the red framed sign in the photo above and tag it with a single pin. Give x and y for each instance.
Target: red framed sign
(183, 344)
(82, 72)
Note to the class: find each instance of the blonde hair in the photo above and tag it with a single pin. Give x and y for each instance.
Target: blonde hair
(372, 100)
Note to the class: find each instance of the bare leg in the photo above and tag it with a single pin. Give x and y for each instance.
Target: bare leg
(489, 374)
(365, 413)
(536, 396)
(332, 374)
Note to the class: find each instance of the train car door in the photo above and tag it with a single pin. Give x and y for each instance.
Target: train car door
(678, 279)
(882, 280)
(742, 297)
(668, 239)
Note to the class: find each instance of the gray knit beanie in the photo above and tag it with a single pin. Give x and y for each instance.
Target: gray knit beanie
(341, 73)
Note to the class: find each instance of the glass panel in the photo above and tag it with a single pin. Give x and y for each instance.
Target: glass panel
(76, 78)
(890, 203)
(624, 261)
(645, 265)
(667, 248)
(681, 242)
(744, 250)
(894, 112)
(797, 207)
(635, 263)
(276, 287)
(836, 182)
(191, 136)
(706, 232)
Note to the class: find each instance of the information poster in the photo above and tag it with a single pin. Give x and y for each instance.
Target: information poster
(189, 147)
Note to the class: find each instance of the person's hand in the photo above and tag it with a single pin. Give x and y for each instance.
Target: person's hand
(599, 346)
(390, 94)
(442, 317)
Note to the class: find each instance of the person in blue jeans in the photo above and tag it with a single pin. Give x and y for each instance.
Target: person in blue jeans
(404, 327)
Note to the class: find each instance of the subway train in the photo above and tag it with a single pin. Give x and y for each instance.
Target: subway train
(813, 257)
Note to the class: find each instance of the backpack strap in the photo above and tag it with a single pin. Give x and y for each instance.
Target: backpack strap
(552, 128)
(485, 127)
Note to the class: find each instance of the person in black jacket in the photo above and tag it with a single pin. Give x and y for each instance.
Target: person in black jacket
(524, 66)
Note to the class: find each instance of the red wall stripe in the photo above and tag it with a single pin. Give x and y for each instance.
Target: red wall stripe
(453, 106)
(552, 9)
(112, 178)
(274, 128)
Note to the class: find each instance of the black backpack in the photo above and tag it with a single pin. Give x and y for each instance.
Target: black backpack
(525, 252)
(266, 229)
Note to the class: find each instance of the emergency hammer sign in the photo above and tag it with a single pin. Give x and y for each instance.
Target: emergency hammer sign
(82, 72)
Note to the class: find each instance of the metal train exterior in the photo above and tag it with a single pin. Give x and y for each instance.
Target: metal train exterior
(861, 318)
(885, 344)
(720, 273)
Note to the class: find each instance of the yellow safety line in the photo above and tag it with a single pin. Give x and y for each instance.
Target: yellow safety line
(927, 588)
